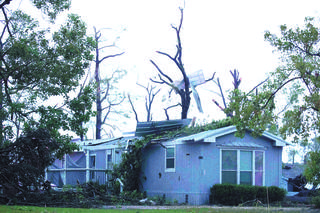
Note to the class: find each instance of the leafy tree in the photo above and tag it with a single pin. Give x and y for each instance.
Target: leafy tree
(298, 79)
(129, 169)
(40, 69)
(48, 7)
(23, 163)
(312, 171)
(81, 110)
(300, 54)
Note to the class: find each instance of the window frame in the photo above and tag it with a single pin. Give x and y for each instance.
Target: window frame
(174, 159)
(238, 164)
(92, 169)
(109, 164)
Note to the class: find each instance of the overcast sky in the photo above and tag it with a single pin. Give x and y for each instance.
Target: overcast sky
(217, 36)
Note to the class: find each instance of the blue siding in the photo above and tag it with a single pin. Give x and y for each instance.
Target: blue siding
(198, 168)
(100, 158)
(74, 176)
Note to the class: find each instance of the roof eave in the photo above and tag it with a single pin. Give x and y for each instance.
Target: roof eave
(277, 140)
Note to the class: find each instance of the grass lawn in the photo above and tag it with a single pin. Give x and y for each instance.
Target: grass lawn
(19, 209)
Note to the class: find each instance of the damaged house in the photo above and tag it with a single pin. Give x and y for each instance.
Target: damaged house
(89, 164)
(183, 168)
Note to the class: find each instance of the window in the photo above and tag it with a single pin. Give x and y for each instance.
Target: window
(242, 167)
(92, 165)
(170, 159)
(229, 166)
(109, 159)
(246, 167)
(259, 168)
(92, 162)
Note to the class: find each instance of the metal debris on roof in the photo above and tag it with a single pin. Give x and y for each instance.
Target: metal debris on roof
(157, 127)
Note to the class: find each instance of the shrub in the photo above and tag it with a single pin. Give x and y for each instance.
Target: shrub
(276, 194)
(316, 201)
(229, 194)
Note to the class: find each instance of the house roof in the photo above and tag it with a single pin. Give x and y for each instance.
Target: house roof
(107, 143)
(292, 171)
(211, 136)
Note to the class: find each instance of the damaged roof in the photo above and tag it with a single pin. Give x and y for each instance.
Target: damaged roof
(211, 136)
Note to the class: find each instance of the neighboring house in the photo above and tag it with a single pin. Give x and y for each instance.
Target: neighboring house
(289, 173)
(88, 164)
(185, 168)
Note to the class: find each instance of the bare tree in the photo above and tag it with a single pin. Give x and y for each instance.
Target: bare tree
(292, 154)
(184, 91)
(236, 82)
(149, 98)
(102, 95)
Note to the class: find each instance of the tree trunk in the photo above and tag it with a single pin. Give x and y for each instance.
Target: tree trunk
(1, 119)
(98, 97)
(185, 103)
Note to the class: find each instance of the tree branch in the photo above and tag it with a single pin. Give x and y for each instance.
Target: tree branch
(166, 109)
(107, 46)
(222, 95)
(6, 25)
(257, 86)
(279, 88)
(133, 108)
(159, 70)
(5, 3)
(109, 109)
(110, 56)
(106, 93)
(209, 79)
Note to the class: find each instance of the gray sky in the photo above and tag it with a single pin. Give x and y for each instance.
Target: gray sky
(217, 36)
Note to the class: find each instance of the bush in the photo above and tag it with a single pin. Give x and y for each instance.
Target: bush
(233, 195)
(316, 201)
(276, 194)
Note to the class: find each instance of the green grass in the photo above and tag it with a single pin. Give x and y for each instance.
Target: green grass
(20, 209)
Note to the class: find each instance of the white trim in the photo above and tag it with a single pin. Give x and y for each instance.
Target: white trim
(220, 166)
(64, 161)
(254, 168)
(87, 165)
(109, 152)
(264, 170)
(238, 166)
(174, 157)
